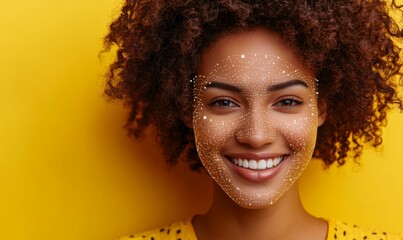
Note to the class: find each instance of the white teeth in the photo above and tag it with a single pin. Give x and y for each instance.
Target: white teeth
(270, 163)
(253, 164)
(245, 164)
(261, 164)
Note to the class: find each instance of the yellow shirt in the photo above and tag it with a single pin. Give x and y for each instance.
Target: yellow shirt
(183, 230)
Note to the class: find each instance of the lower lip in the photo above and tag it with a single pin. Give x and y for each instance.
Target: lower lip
(257, 176)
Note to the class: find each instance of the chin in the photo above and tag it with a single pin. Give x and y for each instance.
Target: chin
(257, 206)
(254, 200)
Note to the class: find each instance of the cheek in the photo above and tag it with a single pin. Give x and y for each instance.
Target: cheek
(300, 135)
(211, 134)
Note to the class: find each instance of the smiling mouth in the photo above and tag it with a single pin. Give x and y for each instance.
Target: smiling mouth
(261, 164)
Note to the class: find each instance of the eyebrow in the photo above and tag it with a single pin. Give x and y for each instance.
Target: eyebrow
(290, 83)
(271, 88)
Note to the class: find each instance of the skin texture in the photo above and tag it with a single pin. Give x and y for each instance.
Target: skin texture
(255, 123)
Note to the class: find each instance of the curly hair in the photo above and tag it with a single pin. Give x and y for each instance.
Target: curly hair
(350, 44)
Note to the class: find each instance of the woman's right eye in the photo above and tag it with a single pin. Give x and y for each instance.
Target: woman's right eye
(223, 103)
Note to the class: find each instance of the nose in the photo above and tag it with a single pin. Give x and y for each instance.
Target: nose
(256, 131)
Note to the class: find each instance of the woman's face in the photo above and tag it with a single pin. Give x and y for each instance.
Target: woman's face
(255, 116)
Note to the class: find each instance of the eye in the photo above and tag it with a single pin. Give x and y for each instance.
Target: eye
(226, 103)
(288, 102)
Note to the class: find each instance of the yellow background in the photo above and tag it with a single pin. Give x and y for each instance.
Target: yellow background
(68, 171)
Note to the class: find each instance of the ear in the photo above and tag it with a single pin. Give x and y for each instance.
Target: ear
(322, 112)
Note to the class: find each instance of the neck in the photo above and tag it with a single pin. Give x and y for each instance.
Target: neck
(286, 219)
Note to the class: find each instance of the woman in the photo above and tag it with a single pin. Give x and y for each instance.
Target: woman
(276, 82)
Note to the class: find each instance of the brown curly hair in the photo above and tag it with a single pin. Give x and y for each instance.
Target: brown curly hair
(349, 44)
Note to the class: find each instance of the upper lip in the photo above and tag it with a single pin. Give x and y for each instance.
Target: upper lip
(255, 156)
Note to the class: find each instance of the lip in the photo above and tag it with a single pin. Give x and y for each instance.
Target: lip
(256, 176)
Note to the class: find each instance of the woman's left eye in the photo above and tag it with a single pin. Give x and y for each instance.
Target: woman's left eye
(288, 102)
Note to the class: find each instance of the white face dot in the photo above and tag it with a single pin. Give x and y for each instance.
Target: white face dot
(255, 121)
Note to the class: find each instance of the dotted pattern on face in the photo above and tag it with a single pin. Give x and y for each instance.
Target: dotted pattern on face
(249, 72)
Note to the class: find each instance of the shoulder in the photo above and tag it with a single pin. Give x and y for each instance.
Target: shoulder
(340, 230)
(181, 230)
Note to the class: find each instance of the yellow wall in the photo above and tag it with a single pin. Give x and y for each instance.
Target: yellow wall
(67, 169)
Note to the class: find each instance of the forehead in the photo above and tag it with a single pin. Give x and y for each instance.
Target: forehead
(254, 69)
(254, 74)
(251, 49)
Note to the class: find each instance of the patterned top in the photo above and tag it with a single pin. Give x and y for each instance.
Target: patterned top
(183, 230)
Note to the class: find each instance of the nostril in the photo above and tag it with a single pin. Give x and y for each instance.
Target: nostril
(255, 137)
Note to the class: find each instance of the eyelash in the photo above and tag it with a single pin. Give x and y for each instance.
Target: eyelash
(224, 102)
(285, 102)
(288, 102)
